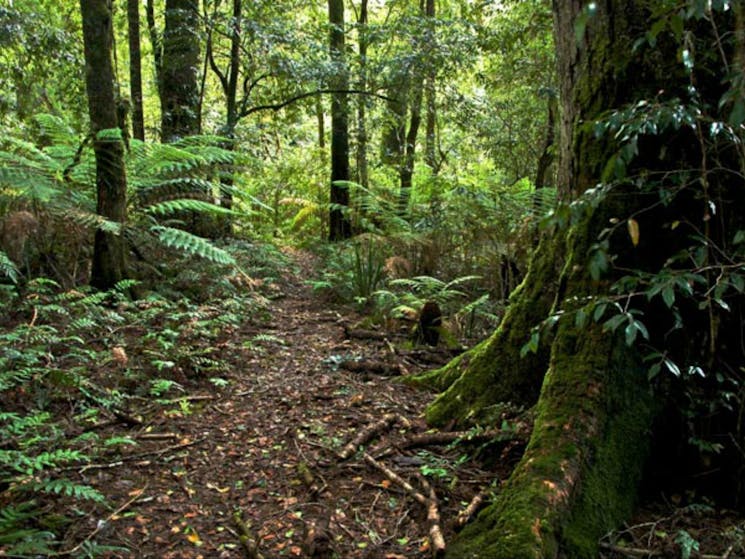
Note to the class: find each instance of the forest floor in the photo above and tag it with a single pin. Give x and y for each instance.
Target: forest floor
(257, 468)
(312, 448)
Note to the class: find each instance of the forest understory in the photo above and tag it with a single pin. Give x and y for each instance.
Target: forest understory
(312, 448)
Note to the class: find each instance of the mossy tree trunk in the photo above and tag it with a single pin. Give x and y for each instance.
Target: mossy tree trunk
(109, 252)
(593, 405)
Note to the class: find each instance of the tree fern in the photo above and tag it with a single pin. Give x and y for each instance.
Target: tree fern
(192, 245)
(171, 207)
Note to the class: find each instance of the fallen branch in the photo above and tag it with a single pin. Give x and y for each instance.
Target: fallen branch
(448, 437)
(436, 539)
(641, 552)
(362, 334)
(369, 432)
(246, 537)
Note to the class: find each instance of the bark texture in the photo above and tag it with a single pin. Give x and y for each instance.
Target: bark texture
(340, 226)
(135, 69)
(179, 70)
(109, 253)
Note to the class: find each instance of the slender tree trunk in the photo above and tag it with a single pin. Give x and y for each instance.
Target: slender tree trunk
(109, 253)
(430, 93)
(320, 124)
(156, 44)
(232, 116)
(179, 70)
(339, 223)
(547, 155)
(406, 171)
(135, 69)
(362, 167)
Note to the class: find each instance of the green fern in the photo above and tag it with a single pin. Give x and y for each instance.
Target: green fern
(171, 207)
(69, 489)
(192, 245)
(8, 268)
(16, 538)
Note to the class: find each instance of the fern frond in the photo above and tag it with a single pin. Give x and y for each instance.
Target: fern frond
(8, 268)
(303, 216)
(69, 489)
(192, 245)
(172, 207)
(56, 129)
(93, 221)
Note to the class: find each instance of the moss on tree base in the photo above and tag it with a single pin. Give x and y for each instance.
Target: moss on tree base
(579, 475)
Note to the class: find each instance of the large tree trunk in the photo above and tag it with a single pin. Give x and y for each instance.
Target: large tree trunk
(339, 224)
(109, 253)
(579, 475)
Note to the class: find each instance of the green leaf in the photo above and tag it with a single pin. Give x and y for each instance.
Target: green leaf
(672, 367)
(599, 311)
(737, 115)
(668, 295)
(630, 333)
(613, 323)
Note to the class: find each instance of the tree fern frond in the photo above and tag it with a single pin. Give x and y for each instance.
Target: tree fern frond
(172, 207)
(192, 244)
(153, 189)
(93, 221)
(56, 129)
(109, 135)
(303, 216)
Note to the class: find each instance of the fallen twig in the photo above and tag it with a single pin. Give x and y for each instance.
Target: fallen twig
(436, 539)
(395, 478)
(131, 457)
(370, 431)
(473, 507)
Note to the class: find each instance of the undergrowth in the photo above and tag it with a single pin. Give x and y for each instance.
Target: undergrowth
(74, 360)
